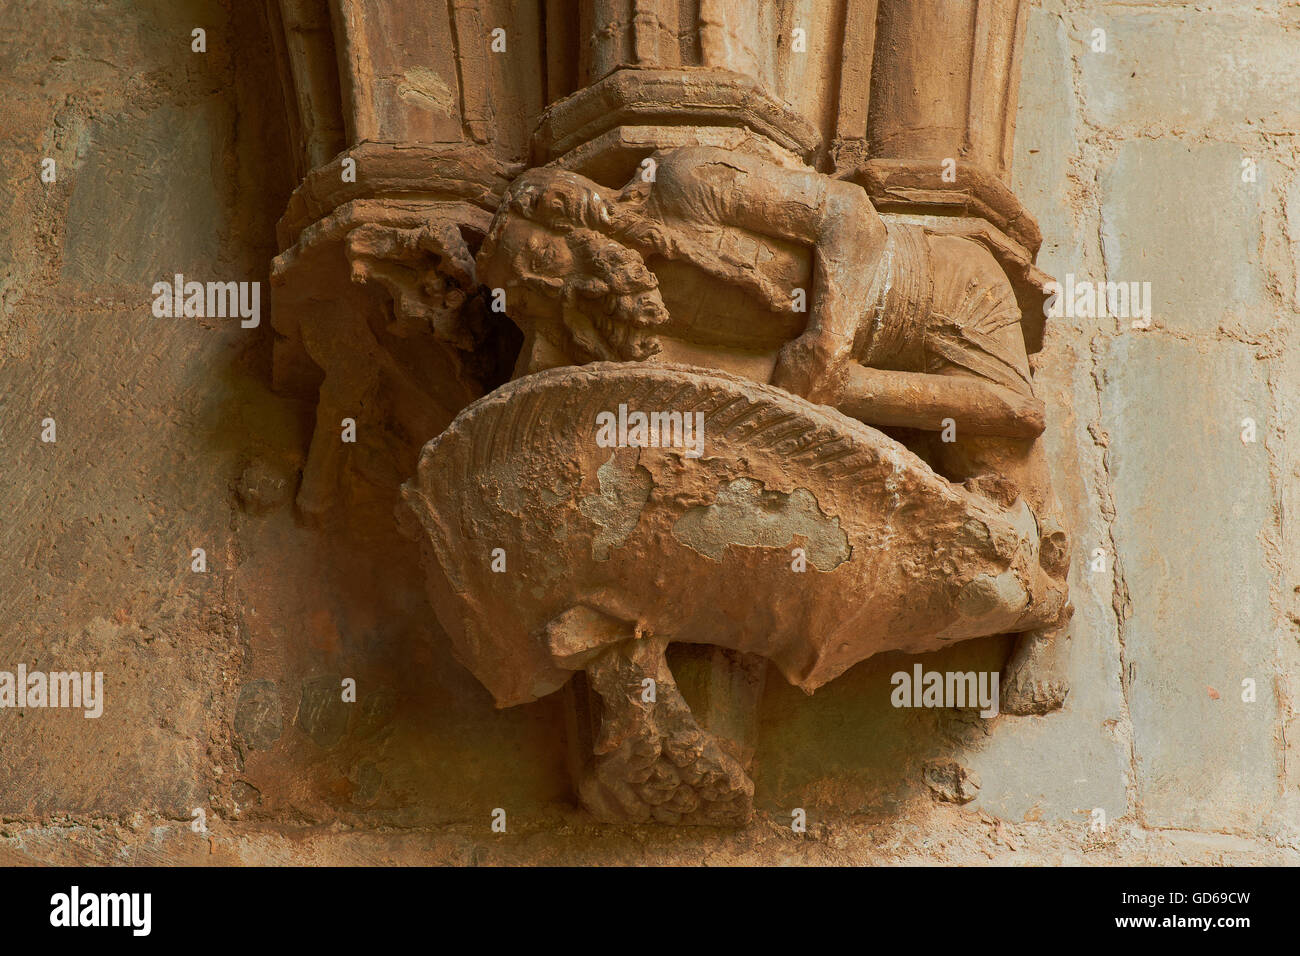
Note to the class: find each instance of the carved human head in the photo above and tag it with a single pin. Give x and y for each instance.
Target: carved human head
(554, 247)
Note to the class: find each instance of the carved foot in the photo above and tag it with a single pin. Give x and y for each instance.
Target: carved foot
(1033, 681)
(653, 760)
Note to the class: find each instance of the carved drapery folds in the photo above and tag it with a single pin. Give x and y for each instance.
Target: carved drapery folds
(779, 232)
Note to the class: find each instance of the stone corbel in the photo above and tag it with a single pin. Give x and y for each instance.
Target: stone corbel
(656, 587)
(378, 306)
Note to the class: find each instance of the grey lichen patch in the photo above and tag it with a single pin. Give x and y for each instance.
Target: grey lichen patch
(426, 89)
(515, 487)
(987, 594)
(624, 490)
(745, 514)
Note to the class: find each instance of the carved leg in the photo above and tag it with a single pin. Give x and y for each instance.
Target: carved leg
(653, 760)
(1033, 680)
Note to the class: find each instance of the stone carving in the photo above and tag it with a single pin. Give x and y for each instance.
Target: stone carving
(613, 553)
(774, 399)
(380, 295)
(744, 243)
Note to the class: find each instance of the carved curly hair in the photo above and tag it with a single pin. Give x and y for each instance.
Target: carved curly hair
(609, 285)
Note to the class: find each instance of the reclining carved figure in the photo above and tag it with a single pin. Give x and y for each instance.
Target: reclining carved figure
(710, 264)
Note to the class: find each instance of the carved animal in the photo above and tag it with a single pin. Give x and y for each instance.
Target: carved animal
(617, 554)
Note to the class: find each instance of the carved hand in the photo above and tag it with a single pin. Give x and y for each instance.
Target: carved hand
(813, 366)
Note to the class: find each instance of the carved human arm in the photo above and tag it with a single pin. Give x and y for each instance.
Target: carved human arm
(847, 237)
(925, 401)
(819, 365)
(835, 218)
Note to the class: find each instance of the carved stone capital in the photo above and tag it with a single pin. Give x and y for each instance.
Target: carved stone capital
(766, 303)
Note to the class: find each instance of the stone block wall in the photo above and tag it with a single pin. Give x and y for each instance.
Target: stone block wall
(1169, 158)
